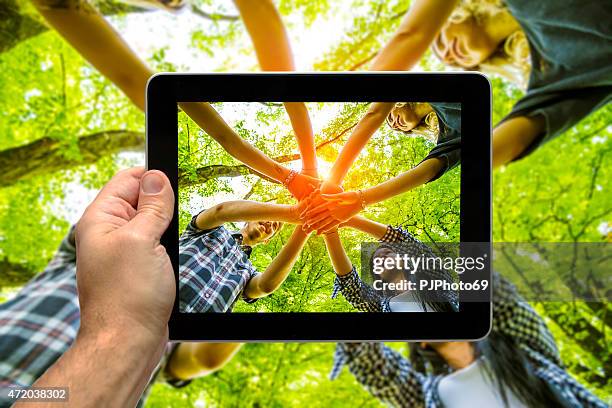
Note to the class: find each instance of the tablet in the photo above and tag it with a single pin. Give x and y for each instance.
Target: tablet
(427, 277)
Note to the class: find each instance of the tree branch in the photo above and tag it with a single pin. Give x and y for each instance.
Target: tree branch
(17, 26)
(47, 155)
(206, 173)
(213, 16)
(14, 274)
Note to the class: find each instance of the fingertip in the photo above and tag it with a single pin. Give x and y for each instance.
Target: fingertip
(153, 182)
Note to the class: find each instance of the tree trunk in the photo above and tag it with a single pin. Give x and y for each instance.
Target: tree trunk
(14, 275)
(17, 26)
(47, 155)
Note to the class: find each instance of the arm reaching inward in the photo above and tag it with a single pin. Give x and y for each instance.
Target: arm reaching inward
(273, 49)
(193, 360)
(360, 295)
(83, 27)
(340, 207)
(373, 228)
(245, 210)
(212, 123)
(415, 34)
(275, 274)
(96, 40)
(417, 31)
(367, 126)
(512, 137)
(339, 259)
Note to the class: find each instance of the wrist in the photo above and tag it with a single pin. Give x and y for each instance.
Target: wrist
(312, 172)
(289, 178)
(348, 223)
(363, 201)
(283, 173)
(107, 367)
(132, 338)
(294, 213)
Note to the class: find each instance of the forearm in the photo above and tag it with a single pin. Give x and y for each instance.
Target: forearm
(212, 123)
(267, 31)
(276, 273)
(300, 121)
(96, 40)
(245, 210)
(192, 360)
(416, 32)
(273, 49)
(367, 126)
(373, 228)
(339, 259)
(103, 371)
(514, 136)
(401, 53)
(406, 181)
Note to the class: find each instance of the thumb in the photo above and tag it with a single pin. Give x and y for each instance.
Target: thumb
(155, 205)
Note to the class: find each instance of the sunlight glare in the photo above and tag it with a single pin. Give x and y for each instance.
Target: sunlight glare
(324, 168)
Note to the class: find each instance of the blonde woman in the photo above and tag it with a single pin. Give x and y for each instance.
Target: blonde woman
(569, 43)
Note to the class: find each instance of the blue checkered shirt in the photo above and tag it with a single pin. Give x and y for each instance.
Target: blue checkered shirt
(390, 377)
(365, 298)
(214, 269)
(40, 323)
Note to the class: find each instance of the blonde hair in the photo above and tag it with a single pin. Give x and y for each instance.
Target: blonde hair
(427, 128)
(512, 59)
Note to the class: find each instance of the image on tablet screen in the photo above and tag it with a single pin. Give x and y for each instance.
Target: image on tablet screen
(239, 249)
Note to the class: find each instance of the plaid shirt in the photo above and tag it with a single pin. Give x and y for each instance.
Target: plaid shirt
(365, 298)
(389, 376)
(213, 270)
(40, 323)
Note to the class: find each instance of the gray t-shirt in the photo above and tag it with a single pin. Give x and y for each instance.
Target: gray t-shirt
(571, 50)
(448, 146)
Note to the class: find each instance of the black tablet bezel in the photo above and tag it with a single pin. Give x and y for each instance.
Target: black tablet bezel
(472, 90)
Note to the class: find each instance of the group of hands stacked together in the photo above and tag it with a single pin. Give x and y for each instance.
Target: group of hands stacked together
(322, 205)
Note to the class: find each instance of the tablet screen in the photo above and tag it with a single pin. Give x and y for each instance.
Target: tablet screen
(399, 254)
(309, 205)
